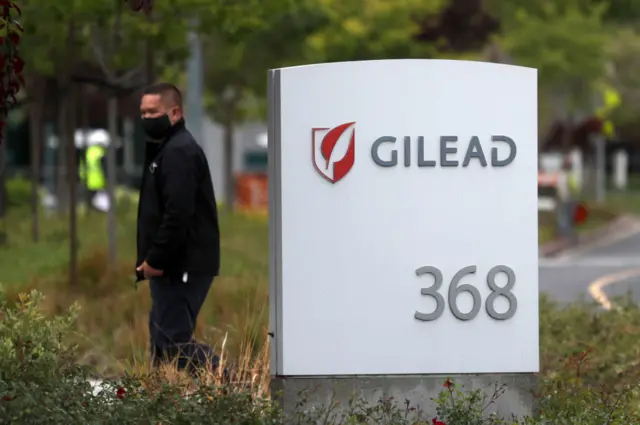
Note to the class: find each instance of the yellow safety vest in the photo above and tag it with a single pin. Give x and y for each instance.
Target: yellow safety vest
(611, 100)
(573, 185)
(92, 174)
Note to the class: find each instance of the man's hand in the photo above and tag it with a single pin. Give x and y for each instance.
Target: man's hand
(149, 271)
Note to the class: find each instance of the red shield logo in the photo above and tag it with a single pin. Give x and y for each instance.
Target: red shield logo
(334, 150)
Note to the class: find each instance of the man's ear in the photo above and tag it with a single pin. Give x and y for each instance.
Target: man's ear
(175, 115)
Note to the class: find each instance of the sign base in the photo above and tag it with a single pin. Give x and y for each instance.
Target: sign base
(321, 392)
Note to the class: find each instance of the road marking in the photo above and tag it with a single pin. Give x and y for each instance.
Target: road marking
(596, 287)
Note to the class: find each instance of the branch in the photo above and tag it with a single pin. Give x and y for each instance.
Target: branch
(121, 89)
(113, 46)
(98, 53)
(131, 75)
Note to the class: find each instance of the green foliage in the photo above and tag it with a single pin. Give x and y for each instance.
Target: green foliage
(40, 380)
(565, 41)
(41, 383)
(237, 57)
(623, 49)
(364, 30)
(18, 192)
(284, 33)
(606, 340)
(621, 11)
(590, 363)
(456, 406)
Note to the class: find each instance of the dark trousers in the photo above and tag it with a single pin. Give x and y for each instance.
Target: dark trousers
(172, 320)
(565, 213)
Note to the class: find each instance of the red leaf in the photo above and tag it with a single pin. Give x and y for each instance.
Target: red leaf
(147, 6)
(18, 64)
(120, 392)
(331, 139)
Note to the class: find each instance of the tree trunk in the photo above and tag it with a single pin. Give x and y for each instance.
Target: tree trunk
(36, 109)
(128, 150)
(84, 125)
(227, 128)
(64, 168)
(150, 60)
(3, 189)
(112, 113)
(73, 186)
(62, 187)
(68, 123)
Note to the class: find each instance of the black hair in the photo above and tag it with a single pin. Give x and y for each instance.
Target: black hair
(167, 91)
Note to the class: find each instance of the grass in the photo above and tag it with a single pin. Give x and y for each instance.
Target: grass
(598, 216)
(112, 328)
(589, 357)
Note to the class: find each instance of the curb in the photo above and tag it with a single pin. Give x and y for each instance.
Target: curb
(618, 225)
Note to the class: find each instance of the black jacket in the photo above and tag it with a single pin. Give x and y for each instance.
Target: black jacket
(177, 213)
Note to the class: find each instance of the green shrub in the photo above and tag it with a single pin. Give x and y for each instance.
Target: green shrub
(18, 192)
(39, 375)
(42, 383)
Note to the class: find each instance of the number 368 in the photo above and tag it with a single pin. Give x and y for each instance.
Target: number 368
(455, 288)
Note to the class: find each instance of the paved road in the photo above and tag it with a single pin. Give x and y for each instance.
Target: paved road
(607, 269)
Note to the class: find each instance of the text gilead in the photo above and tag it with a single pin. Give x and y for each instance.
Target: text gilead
(455, 288)
(447, 150)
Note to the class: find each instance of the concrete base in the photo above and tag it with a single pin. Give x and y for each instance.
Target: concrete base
(321, 392)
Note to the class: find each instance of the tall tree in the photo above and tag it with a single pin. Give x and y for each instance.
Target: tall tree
(380, 29)
(565, 41)
(11, 81)
(41, 50)
(35, 84)
(106, 36)
(254, 36)
(118, 41)
(248, 39)
(67, 126)
(624, 50)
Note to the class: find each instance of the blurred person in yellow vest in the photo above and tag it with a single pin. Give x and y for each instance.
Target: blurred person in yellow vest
(567, 198)
(611, 100)
(92, 172)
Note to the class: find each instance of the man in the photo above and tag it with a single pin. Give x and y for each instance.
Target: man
(178, 235)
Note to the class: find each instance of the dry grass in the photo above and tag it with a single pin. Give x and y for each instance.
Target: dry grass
(247, 371)
(112, 329)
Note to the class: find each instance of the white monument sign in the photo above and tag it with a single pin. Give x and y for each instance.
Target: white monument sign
(403, 218)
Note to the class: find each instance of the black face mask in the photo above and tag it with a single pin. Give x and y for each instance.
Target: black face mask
(158, 127)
